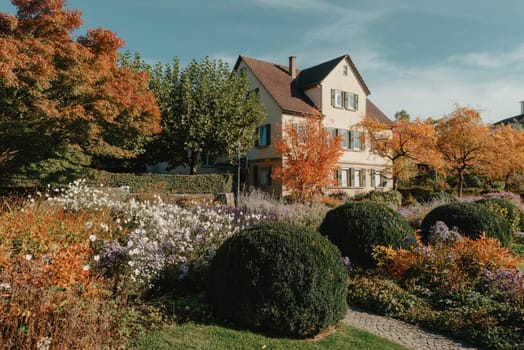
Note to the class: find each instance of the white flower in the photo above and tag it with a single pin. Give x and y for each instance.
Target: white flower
(4, 285)
(89, 224)
(96, 257)
(92, 238)
(86, 268)
(28, 257)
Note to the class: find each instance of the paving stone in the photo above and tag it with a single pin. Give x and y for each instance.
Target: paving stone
(402, 333)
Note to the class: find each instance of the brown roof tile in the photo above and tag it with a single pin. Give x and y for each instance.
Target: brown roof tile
(375, 113)
(288, 93)
(278, 82)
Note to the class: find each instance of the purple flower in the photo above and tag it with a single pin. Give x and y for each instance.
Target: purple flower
(347, 263)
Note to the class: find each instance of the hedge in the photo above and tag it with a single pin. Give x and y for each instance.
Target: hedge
(186, 184)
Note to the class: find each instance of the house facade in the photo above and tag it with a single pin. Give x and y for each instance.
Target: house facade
(339, 92)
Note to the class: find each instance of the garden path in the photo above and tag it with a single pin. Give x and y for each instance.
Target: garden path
(400, 332)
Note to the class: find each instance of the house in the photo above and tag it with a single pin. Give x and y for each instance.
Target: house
(515, 120)
(337, 89)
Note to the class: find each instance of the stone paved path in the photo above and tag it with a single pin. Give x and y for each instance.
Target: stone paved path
(400, 332)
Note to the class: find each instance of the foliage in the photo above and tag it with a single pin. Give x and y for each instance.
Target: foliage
(204, 111)
(198, 336)
(384, 297)
(309, 157)
(356, 227)
(49, 289)
(308, 215)
(159, 234)
(444, 273)
(67, 96)
(470, 219)
(391, 198)
(507, 159)
(507, 209)
(280, 278)
(441, 196)
(404, 141)
(464, 143)
(188, 184)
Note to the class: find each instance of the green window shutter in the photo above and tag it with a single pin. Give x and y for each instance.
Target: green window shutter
(373, 173)
(268, 134)
(363, 177)
(362, 141)
(351, 177)
(332, 97)
(339, 177)
(269, 180)
(257, 136)
(345, 99)
(356, 102)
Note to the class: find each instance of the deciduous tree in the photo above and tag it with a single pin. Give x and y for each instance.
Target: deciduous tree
(309, 157)
(464, 143)
(506, 157)
(404, 142)
(205, 110)
(65, 104)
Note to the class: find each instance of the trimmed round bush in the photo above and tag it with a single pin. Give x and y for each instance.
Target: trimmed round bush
(507, 209)
(280, 278)
(470, 219)
(355, 227)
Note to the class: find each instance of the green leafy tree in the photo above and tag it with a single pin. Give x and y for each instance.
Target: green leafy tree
(205, 110)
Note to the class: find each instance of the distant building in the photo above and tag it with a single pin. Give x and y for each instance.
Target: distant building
(337, 89)
(515, 120)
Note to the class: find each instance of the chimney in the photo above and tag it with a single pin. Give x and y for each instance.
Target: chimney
(293, 67)
(521, 107)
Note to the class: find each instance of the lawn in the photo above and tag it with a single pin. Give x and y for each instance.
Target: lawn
(198, 336)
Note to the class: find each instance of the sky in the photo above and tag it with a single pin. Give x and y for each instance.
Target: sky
(423, 56)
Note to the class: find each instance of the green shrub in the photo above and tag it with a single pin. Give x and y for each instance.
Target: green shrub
(391, 198)
(472, 220)
(187, 184)
(507, 209)
(280, 278)
(385, 297)
(355, 227)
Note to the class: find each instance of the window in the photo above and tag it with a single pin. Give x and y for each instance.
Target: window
(208, 161)
(301, 131)
(344, 134)
(264, 135)
(345, 71)
(356, 143)
(378, 178)
(350, 100)
(337, 98)
(344, 99)
(262, 176)
(255, 92)
(344, 176)
(357, 177)
(332, 133)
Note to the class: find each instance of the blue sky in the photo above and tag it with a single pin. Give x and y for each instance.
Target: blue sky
(419, 55)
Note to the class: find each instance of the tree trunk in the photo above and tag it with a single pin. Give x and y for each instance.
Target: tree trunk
(460, 182)
(193, 163)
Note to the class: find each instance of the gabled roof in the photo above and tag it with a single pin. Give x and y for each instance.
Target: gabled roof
(518, 118)
(288, 93)
(312, 76)
(375, 113)
(278, 82)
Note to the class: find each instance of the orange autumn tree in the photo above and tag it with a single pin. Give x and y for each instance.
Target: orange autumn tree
(506, 157)
(464, 142)
(309, 157)
(68, 96)
(404, 142)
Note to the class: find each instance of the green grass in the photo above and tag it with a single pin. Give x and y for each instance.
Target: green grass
(197, 336)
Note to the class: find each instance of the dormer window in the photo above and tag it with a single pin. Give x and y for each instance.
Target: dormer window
(345, 70)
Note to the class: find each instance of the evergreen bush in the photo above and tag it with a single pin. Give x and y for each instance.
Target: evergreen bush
(391, 198)
(471, 220)
(279, 278)
(509, 210)
(355, 227)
